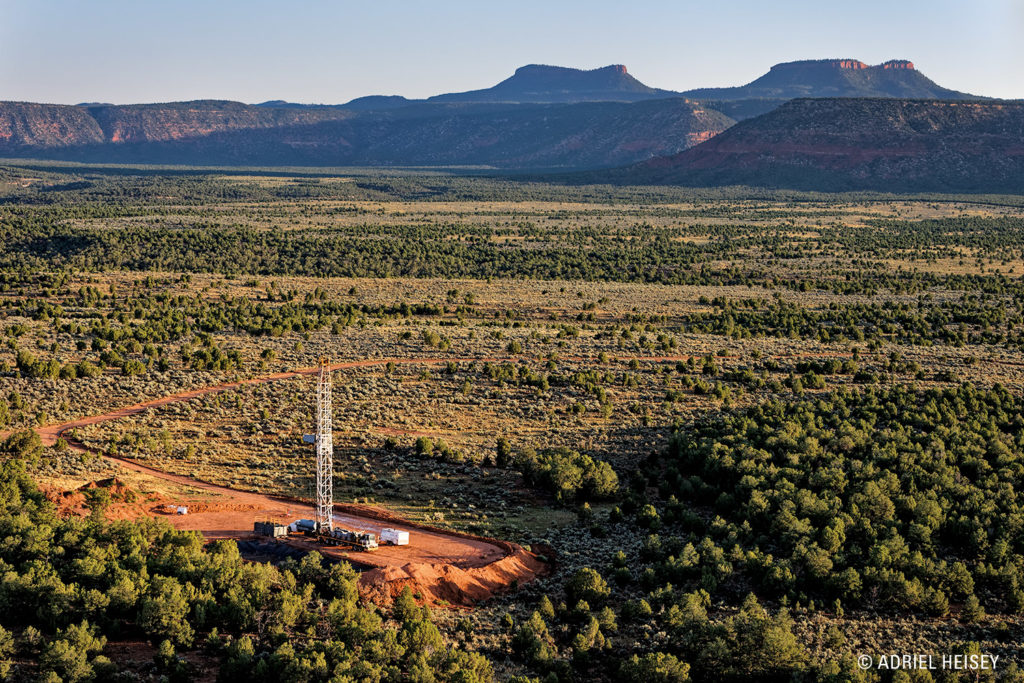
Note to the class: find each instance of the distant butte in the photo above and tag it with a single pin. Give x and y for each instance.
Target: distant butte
(829, 78)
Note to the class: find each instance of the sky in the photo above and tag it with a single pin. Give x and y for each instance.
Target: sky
(124, 51)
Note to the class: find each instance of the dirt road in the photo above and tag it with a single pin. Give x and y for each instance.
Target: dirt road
(50, 433)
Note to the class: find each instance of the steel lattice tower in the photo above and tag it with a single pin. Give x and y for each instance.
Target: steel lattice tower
(322, 514)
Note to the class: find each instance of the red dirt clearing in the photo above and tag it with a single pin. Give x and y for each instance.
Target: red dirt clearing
(442, 566)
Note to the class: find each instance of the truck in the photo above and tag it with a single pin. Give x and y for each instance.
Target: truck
(358, 540)
(394, 537)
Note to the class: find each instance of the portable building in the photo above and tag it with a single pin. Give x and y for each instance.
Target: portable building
(271, 529)
(394, 536)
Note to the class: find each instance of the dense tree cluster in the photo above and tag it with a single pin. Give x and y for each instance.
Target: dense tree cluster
(437, 251)
(130, 330)
(893, 496)
(1001, 237)
(969, 320)
(573, 639)
(569, 475)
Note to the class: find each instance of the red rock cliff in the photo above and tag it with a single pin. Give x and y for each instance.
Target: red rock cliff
(898, 64)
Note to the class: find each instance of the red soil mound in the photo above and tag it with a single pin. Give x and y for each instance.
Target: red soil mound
(170, 508)
(124, 503)
(446, 583)
(464, 583)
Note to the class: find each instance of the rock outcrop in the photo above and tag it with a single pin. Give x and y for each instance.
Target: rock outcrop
(898, 64)
(25, 126)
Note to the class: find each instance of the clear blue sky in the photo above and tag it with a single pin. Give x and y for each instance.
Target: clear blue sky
(252, 50)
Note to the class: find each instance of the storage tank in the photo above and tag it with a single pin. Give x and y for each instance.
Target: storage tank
(305, 525)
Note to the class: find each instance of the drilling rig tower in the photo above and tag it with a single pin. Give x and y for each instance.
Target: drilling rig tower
(323, 513)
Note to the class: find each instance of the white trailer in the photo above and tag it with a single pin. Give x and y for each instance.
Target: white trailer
(394, 537)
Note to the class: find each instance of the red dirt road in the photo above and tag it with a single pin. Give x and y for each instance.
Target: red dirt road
(50, 433)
